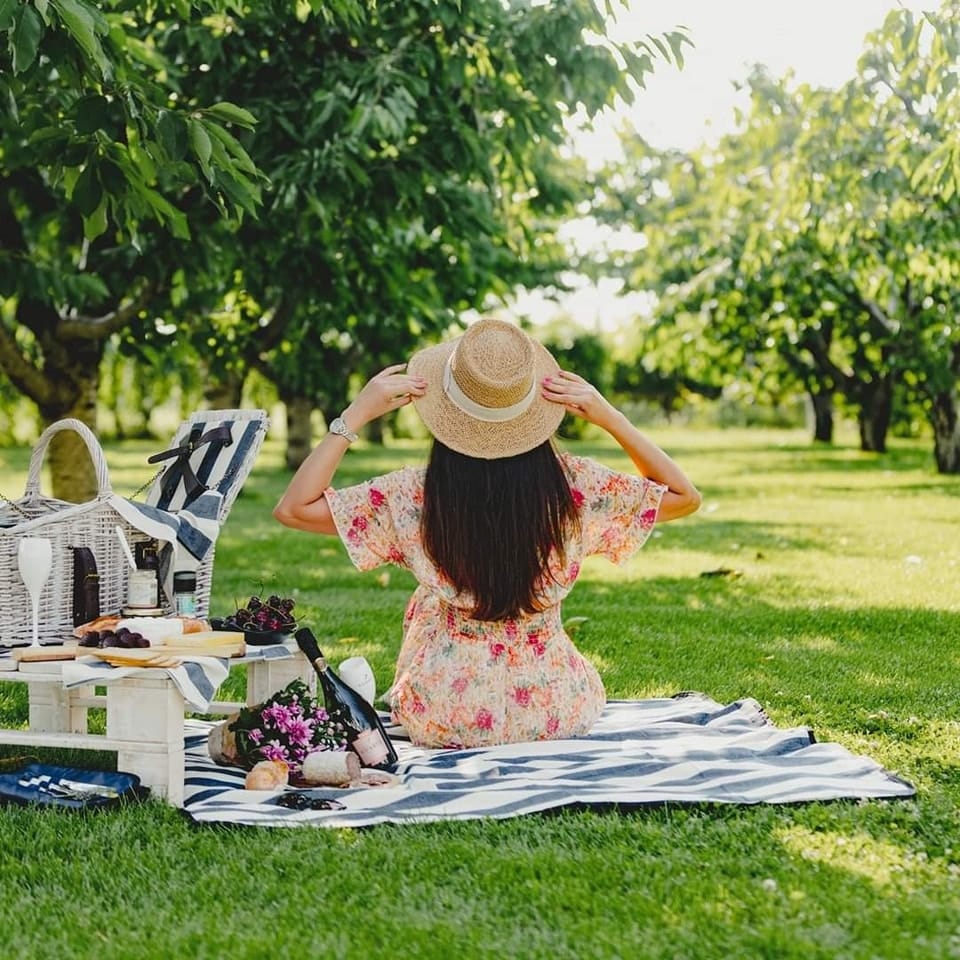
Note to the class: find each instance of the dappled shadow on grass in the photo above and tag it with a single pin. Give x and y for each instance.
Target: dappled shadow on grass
(710, 534)
(822, 663)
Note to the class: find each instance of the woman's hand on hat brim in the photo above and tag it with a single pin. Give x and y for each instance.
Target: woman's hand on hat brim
(577, 396)
(390, 389)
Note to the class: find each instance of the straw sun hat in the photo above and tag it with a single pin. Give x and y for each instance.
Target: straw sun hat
(483, 391)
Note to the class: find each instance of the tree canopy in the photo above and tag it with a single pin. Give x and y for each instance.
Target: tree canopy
(297, 187)
(818, 244)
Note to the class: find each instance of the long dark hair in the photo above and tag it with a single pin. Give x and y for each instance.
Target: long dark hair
(491, 525)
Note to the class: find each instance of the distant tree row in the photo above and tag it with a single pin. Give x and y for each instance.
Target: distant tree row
(304, 189)
(817, 248)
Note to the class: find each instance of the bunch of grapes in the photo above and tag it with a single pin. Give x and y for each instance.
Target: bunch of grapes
(114, 638)
(275, 613)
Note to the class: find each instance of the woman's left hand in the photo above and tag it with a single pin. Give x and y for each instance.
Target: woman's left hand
(389, 390)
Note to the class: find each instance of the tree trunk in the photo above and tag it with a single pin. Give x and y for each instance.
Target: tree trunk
(375, 431)
(224, 393)
(876, 408)
(821, 413)
(946, 432)
(299, 409)
(72, 476)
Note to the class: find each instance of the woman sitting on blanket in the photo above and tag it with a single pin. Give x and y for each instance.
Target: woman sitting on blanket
(494, 529)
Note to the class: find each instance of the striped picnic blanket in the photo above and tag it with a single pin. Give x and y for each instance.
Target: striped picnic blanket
(686, 749)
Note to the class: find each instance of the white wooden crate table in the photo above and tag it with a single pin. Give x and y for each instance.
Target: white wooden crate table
(145, 710)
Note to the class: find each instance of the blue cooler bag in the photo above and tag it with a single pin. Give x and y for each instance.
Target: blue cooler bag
(70, 787)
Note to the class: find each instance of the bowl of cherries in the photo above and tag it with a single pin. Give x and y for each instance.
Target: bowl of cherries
(262, 622)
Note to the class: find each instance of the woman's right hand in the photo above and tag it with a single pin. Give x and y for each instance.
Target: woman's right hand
(579, 397)
(389, 390)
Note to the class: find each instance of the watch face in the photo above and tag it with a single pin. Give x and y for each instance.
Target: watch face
(340, 428)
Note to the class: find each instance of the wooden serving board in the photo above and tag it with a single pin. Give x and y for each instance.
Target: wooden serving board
(135, 657)
(210, 643)
(53, 652)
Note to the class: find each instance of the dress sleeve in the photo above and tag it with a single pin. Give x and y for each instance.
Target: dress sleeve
(617, 510)
(369, 520)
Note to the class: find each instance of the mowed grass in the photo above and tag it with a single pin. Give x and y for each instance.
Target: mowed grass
(831, 597)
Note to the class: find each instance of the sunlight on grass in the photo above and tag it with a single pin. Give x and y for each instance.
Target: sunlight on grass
(830, 597)
(881, 862)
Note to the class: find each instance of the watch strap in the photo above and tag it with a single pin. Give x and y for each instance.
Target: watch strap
(340, 429)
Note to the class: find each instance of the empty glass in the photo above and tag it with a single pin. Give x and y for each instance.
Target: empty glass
(357, 673)
(35, 559)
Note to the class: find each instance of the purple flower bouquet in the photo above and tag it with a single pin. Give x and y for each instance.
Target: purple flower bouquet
(289, 726)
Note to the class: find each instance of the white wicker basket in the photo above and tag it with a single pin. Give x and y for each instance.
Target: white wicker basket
(93, 524)
(65, 525)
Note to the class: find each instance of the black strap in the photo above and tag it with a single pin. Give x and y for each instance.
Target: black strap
(180, 469)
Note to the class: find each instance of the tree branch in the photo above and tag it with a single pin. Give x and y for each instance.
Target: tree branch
(24, 375)
(272, 333)
(902, 96)
(820, 352)
(99, 328)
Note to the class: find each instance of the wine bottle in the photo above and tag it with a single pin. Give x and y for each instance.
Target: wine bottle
(365, 733)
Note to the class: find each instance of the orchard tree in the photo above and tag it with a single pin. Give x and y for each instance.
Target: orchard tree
(827, 251)
(102, 150)
(415, 171)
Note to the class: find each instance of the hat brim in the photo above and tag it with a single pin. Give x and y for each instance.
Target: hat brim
(478, 438)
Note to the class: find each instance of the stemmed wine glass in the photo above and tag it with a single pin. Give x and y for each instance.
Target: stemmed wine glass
(35, 559)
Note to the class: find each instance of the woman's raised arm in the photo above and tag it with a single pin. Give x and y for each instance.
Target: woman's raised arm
(303, 505)
(582, 399)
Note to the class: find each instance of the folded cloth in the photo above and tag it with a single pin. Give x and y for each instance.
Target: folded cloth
(686, 749)
(193, 530)
(197, 678)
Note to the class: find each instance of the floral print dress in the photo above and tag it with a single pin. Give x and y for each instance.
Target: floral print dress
(464, 682)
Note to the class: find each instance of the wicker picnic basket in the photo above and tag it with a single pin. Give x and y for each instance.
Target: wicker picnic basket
(213, 449)
(65, 525)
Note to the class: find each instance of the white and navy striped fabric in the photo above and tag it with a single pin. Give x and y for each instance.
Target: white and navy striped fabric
(194, 528)
(211, 451)
(198, 678)
(206, 464)
(687, 750)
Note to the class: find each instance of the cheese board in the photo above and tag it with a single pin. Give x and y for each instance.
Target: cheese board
(136, 657)
(209, 643)
(66, 651)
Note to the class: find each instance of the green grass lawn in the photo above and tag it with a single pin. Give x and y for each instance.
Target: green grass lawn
(840, 612)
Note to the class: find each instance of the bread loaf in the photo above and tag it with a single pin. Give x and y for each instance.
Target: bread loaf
(330, 768)
(268, 775)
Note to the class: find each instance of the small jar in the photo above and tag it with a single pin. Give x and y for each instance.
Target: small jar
(142, 589)
(185, 593)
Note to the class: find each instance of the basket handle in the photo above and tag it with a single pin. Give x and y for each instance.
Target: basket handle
(104, 489)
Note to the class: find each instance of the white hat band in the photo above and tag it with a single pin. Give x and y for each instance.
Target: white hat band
(476, 410)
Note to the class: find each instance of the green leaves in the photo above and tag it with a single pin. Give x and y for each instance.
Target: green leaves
(92, 113)
(202, 148)
(7, 9)
(25, 37)
(231, 113)
(86, 24)
(171, 130)
(87, 191)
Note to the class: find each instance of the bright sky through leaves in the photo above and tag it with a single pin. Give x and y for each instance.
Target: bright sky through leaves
(819, 40)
